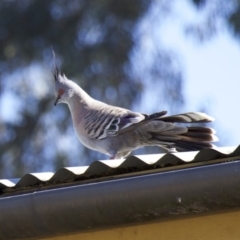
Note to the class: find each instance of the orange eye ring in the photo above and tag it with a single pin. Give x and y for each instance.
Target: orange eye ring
(60, 92)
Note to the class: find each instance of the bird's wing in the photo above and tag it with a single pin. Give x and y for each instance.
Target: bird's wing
(105, 122)
(111, 121)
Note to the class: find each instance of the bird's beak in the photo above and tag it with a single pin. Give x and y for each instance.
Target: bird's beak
(57, 99)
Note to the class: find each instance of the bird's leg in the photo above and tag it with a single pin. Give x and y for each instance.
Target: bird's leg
(120, 155)
(172, 150)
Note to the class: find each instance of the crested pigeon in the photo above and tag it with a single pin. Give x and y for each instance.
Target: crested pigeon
(116, 131)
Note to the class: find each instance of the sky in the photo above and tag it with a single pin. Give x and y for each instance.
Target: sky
(211, 72)
(216, 83)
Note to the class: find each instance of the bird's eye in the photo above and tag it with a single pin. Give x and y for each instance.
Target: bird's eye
(60, 92)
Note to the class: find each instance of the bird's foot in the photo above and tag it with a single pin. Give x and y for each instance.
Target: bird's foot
(172, 150)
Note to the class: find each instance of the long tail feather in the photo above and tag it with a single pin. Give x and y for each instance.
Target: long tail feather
(190, 117)
(195, 138)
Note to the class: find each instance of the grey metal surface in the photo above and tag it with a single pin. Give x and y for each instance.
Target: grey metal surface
(132, 164)
(92, 206)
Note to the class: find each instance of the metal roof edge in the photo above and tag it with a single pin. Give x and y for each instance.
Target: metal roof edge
(133, 200)
(103, 168)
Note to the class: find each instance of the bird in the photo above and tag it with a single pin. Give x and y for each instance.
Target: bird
(117, 131)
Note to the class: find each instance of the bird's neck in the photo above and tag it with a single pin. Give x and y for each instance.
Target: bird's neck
(78, 104)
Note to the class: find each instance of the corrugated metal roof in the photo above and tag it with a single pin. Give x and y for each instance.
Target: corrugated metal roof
(131, 191)
(134, 165)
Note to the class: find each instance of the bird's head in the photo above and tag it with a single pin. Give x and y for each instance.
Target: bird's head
(64, 88)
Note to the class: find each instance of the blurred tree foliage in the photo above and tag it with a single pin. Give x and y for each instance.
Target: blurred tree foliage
(217, 13)
(94, 42)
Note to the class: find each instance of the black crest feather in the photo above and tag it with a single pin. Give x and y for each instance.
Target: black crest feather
(56, 70)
